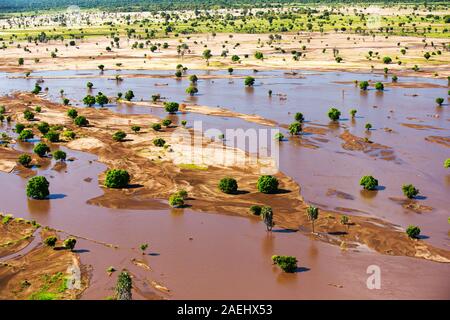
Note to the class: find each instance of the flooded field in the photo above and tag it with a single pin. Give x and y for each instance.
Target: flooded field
(201, 255)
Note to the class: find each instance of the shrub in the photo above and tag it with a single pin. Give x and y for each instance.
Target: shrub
(286, 263)
(183, 194)
(176, 201)
(334, 114)
(363, 85)
(136, 129)
(72, 113)
(295, 128)
(50, 241)
(81, 121)
(166, 122)
(193, 78)
(183, 123)
(89, 100)
(52, 136)
(119, 135)
(387, 60)
(90, 85)
(101, 99)
(447, 163)
(59, 155)
(255, 210)
(38, 109)
(19, 127)
(413, 231)
(159, 142)
(117, 178)
(191, 90)
(259, 55)
(394, 78)
(410, 191)
(249, 81)
(28, 115)
(24, 159)
(379, 86)
(156, 126)
(37, 188)
(368, 126)
(228, 185)
(43, 127)
(69, 134)
(25, 135)
(368, 182)
(129, 95)
(69, 243)
(439, 101)
(299, 117)
(171, 107)
(279, 136)
(353, 112)
(178, 74)
(267, 184)
(41, 149)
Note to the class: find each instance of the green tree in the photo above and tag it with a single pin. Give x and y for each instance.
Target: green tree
(19, 127)
(89, 100)
(299, 117)
(313, 214)
(123, 287)
(410, 191)
(353, 112)
(413, 232)
(81, 121)
(191, 90)
(59, 155)
(135, 128)
(295, 128)
(176, 201)
(24, 159)
(287, 263)
(334, 114)
(25, 135)
(249, 81)
(368, 182)
(379, 86)
(267, 184)
(387, 60)
(28, 115)
(90, 85)
(159, 142)
(156, 126)
(207, 55)
(37, 188)
(41, 149)
(259, 55)
(101, 99)
(171, 107)
(228, 185)
(363, 85)
(52, 136)
(255, 210)
(117, 178)
(193, 78)
(368, 126)
(50, 241)
(129, 95)
(119, 135)
(72, 113)
(43, 127)
(69, 243)
(439, 101)
(447, 163)
(166, 122)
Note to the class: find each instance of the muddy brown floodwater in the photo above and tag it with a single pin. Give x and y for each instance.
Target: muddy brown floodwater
(198, 255)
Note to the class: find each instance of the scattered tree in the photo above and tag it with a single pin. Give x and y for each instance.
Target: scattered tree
(267, 184)
(37, 188)
(368, 182)
(228, 185)
(286, 263)
(117, 178)
(410, 191)
(312, 213)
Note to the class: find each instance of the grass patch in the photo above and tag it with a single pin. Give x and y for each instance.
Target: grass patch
(191, 166)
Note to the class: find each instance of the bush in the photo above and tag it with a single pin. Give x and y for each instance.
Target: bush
(379, 86)
(413, 231)
(259, 55)
(24, 159)
(295, 128)
(69, 243)
(363, 85)
(159, 142)
(81, 121)
(193, 78)
(299, 117)
(25, 135)
(119, 135)
(286, 263)
(101, 99)
(171, 107)
(156, 126)
(117, 178)
(183, 194)
(72, 113)
(440, 101)
(37, 188)
(410, 191)
(129, 95)
(28, 115)
(368, 182)
(447, 163)
(19, 127)
(41, 149)
(166, 122)
(59, 155)
(228, 185)
(368, 126)
(136, 129)
(43, 127)
(279, 136)
(334, 114)
(249, 81)
(191, 90)
(52, 136)
(89, 100)
(394, 78)
(69, 134)
(353, 112)
(267, 184)
(183, 123)
(50, 241)
(387, 60)
(255, 210)
(176, 201)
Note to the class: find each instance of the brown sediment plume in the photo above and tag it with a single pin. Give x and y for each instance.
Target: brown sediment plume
(158, 172)
(444, 141)
(355, 143)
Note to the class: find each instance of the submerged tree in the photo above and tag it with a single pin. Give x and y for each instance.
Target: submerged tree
(37, 188)
(368, 182)
(410, 191)
(267, 216)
